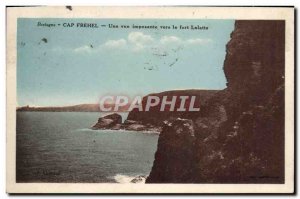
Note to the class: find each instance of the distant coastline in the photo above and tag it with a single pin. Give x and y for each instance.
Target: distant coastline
(74, 108)
(201, 93)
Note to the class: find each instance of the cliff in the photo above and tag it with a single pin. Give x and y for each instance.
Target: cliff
(112, 121)
(238, 136)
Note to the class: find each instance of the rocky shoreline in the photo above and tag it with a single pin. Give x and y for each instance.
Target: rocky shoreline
(154, 119)
(114, 122)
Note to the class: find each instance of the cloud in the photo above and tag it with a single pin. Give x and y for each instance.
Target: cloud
(138, 41)
(198, 41)
(121, 43)
(170, 40)
(166, 40)
(138, 47)
(139, 38)
(110, 44)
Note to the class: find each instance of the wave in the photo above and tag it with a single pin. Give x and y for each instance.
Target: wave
(123, 179)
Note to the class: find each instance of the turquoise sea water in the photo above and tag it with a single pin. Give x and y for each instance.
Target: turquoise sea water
(60, 147)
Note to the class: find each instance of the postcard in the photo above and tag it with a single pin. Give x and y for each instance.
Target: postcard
(150, 100)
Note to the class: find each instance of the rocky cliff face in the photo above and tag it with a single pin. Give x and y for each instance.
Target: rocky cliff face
(112, 121)
(238, 137)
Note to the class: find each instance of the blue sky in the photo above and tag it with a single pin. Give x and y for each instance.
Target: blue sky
(78, 65)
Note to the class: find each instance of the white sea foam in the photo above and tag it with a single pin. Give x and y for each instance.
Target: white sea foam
(99, 130)
(91, 130)
(123, 179)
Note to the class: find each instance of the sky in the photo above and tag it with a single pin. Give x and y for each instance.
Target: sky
(58, 66)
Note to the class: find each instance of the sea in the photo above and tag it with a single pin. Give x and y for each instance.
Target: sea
(60, 147)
